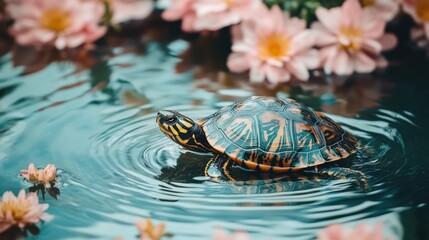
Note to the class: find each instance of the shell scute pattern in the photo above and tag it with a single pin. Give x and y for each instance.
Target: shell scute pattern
(270, 134)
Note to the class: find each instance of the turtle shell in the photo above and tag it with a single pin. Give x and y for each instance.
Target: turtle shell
(276, 135)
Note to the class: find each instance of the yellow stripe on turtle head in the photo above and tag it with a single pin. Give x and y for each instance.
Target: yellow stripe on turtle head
(182, 130)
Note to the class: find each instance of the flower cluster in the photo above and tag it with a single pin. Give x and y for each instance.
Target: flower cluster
(43, 176)
(24, 210)
(332, 232)
(267, 42)
(277, 48)
(350, 38)
(21, 210)
(69, 23)
(362, 231)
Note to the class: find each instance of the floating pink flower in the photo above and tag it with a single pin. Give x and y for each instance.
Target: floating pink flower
(362, 231)
(64, 24)
(198, 15)
(148, 231)
(419, 10)
(181, 9)
(274, 47)
(45, 176)
(386, 8)
(216, 14)
(21, 211)
(351, 38)
(220, 234)
(124, 10)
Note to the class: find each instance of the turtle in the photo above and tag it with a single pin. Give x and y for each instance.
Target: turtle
(265, 134)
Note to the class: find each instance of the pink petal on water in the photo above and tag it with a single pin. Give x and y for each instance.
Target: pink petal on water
(237, 62)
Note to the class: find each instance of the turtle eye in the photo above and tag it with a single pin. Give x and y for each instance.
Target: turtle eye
(171, 120)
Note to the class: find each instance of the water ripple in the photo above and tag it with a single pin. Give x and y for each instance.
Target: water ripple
(153, 172)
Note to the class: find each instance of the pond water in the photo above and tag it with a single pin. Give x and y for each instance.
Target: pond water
(93, 116)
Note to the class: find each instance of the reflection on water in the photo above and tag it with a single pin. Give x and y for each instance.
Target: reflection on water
(98, 124)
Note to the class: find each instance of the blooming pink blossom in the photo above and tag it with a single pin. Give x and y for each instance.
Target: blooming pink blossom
(419, 10)
(124, 10)
(386, 8)
(181, 9)
(362, 231)
(148, 231)
(198, 15)
(351, 38)
(274, 47)
(216, 14)
(64, 24)
(45, 176)
(220, 234)
(21, 211)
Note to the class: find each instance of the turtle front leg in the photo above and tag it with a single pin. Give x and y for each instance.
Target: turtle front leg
(217, 167)
(357, 177)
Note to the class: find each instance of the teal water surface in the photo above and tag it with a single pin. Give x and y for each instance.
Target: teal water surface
(96, 122)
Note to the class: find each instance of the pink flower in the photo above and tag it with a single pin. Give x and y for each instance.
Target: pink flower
(198, 15)
(64, 24)
(181, 9)
(419, 10)
(124, 10)
(216, 14)
(351, 38)
(45, 176)
(220, 234)
(21, 211)
(274, 47)
(386, 8)
(148, 231)
(362, 231)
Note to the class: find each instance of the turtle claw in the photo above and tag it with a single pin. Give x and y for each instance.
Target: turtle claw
(356, 177)
(212, 170)
(216, 168)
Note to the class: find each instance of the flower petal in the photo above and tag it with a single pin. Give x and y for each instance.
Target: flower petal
(237, 62)
(5, 226)
(298, 70)
(310, 58)
(388, 41)
(322, 36)
(373, 25)
(342, 64)
(352, 12)
(327, 57)
(372, 46)
(363, 63)
(257, 75)
(130, 9)
(277, 75)
(331, 19)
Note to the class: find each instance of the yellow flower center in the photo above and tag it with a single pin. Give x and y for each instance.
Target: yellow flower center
(422, 7)
(55, 19)
(274, 46)
(350, 38)
(367, 3)
(18, 208)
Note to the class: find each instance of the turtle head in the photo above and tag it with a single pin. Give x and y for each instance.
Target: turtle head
(182, 130)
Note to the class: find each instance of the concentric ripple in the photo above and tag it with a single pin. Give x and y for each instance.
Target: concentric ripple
(98, 125)
(155, 174)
